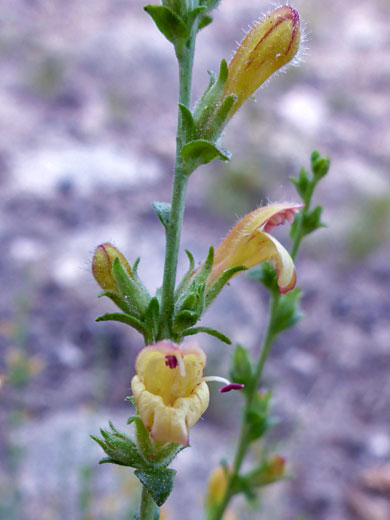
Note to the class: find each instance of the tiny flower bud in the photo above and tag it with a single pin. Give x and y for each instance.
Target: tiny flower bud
(102, 261)
(270, 44)
(216, 486)
(271, 471)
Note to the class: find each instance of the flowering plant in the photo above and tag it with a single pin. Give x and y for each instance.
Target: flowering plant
(170, 392)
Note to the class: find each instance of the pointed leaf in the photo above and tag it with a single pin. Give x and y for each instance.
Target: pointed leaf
(201, 151)
(123, 318)
(207, 330)
(184, 319)
(168, 22)
(158, 482)
(188, 122)
(117, 299)
(163, 211)
(205, 21)
(152, 315)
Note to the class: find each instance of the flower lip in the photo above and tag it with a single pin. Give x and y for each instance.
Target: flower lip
(280, 218)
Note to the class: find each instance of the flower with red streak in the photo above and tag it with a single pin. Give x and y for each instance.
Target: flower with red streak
(249, 243)
(269, 45)
(170, 391)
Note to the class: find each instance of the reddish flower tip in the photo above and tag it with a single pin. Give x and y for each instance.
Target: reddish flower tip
(232, 386)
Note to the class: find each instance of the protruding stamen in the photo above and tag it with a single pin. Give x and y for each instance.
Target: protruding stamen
(232, 386)
(228, 385)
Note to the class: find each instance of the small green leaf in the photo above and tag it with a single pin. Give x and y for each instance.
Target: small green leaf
(257, 416)
(266, 274)
(188, 122)
(158, 482)
(207, 330)
(205, 21)
(152, 316)
(193, 15)
(168, 22)
(123, 318)
(241, 367)
(163, 211)
(201, 151)
(288, 312)
(184, 319)
(301, 183)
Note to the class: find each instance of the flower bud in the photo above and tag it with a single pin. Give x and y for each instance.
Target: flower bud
(269, 45)
(271, 471)
(216, 486)
(102, 262)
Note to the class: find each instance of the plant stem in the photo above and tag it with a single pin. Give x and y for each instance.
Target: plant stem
(173, 232)
(299, 235)
(147, 507)
(243, 441)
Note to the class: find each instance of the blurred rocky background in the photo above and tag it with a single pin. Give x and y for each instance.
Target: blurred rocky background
(88, 92)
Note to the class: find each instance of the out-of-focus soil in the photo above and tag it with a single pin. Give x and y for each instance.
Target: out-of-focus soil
(87, 117)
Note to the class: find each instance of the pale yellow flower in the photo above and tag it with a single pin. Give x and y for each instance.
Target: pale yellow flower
(250, 243)
(170, 391)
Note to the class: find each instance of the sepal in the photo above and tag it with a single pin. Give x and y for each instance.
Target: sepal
(120, 448)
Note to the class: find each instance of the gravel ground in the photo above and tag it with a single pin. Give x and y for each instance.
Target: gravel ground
(87, 118)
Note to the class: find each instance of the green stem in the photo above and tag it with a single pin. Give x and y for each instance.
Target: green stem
(148, 507)
(299, 235)
(185, 59)
(244, 441)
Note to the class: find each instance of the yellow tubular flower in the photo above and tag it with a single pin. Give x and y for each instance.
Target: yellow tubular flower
(102, 261)
(169, 390)
(269, 45)
(249, 243)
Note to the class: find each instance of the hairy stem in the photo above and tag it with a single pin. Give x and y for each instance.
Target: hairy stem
(185, 59)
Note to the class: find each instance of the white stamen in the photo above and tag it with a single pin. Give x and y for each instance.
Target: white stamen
(216, 378)
(180, 362)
